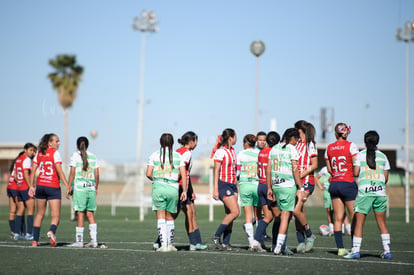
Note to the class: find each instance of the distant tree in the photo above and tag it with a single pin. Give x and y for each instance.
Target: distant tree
(66, 78)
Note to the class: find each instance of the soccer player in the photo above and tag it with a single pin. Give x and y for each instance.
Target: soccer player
(47, 188)
(339, 157)
(282, 176)
(84, 180)
(23, 167)
(164, 168)
(322, 179)
(188, 143)
(225, 187)
(307, 163)
(248, 184)
(371, 168)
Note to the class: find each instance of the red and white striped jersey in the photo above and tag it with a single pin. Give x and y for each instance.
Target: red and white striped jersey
(227, 157)
(305, 155)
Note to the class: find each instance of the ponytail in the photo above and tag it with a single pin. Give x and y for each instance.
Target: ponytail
(371, 139)
(83, 144)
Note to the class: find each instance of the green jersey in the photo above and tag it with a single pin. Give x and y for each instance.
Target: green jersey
(247, 166)
(84, 180)
(281, 165)
(372, 182)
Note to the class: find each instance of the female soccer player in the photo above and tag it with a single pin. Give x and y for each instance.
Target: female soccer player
(23, 167)
(47, 188)
(268, 207)
(188, 143)
(282, 178)
(371, 168)
(339, 157)
(248, 184)
(308, 162)
(225, 187)
(164, 168)
(84, 180)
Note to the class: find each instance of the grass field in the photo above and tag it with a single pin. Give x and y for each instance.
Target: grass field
(130, 249)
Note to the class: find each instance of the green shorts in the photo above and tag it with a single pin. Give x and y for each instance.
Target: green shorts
(363, 204)
(327, 201)
(285, 197)
(248, 194)
(84, 200)
(164, 197)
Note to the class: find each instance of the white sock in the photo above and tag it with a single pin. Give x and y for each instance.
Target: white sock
(162, 231)
(331, 227)
(356, 244)
(79, 234)
(93, 232)
(348, 228)
(248, 227)
(170, 232)
(343, 228)
(386, 241)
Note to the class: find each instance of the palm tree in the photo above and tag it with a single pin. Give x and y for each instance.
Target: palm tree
(65, 80)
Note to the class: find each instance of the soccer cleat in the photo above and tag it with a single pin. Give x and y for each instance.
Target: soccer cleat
(155, 245)
(162, 249)
(278, 250)
(287, 252)
(193, 247)
(171, 248)
(76, 245)
(353, 255)
(256, 246)
(301, 248)
(29, 237)
(217, 242)
(35, 244)
(309, 243)
(342, 252)
(386, 256)
(92, 244)
(227, 247)
(52, 238)
(17, 237)
(201, 246)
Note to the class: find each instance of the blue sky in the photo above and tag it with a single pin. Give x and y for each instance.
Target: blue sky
(199, 72)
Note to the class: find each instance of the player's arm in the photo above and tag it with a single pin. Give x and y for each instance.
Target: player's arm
(183, 174)
(217, 166)
(150, 170)
(96, 179)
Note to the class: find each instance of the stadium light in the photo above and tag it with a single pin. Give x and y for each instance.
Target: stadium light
(145, 23)
(407, 36)
(257, 48)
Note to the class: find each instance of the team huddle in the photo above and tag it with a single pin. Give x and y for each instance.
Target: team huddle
(273, 176)
(24, 191)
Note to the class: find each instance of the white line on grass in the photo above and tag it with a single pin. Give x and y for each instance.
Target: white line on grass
(233, 253)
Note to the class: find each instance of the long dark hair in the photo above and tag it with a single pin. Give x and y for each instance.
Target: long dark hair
(288, 134)
(166, 141)
(82, 144)
(371, 139)
(308, 129)
(227, 133)
(25, 147)
(250, 140)
(272, 138)
(44, 142)
(187, 137)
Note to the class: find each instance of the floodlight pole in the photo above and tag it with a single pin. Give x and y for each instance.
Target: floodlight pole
(257, 47)
(145, 23)
(407, 36)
